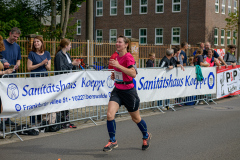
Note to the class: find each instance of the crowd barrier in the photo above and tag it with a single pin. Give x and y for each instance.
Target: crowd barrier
(153, 90)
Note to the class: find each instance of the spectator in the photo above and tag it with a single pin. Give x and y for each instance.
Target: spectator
(114, 55)
(150, 62)
(167, 60)
(200, 47)
(184, 47)
(62, 62)
(39, 60)
(215, 54)
(11, 56)
(12, 52)
(211, 60)
(199, 59)
(229, 57)
(177, 58)
(190, 60)
(8, 71)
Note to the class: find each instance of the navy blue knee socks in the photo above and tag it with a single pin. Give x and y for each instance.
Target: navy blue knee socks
(111, 125)
(143, 127)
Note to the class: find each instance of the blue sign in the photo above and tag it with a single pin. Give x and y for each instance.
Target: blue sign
(18, 107)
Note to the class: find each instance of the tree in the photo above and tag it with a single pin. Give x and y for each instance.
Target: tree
(232, 21)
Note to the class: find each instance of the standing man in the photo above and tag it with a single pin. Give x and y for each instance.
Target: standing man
(12, 51)
(12, 54)
(215, 54)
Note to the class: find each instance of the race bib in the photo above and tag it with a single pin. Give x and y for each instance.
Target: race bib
(118, 76)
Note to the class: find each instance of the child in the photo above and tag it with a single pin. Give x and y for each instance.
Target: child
(150, 62)
(190, 60)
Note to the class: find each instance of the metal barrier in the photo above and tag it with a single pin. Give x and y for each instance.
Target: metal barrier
(92, 113)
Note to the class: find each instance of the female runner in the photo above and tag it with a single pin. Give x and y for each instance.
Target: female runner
(124, 93)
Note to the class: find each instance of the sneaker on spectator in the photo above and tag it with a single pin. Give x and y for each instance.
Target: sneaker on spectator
(110, 146)
(146, 142)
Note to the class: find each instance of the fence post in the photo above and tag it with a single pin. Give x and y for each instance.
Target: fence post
(134, 46)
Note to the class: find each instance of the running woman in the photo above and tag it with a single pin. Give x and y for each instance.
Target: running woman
(124, 93)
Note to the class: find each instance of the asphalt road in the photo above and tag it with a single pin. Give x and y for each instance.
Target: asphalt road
(191, 133)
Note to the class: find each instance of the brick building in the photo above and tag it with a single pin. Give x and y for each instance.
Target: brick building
(160, 21)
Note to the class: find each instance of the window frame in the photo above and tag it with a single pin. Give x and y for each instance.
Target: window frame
(224, 7)
(235, 6)
(110, 36)
(228, 37)
(79, 27)
(229, 6)
(159, 5)
(125, 7)
(140, 7)
(125, 33)
(223, 37)
(174, 4)
(217, 5)
(115, 7)
(99, 8)
(216, 36)
(99, 36)
(172, 36)
(234, 39)
(158, 36)
(140, 36)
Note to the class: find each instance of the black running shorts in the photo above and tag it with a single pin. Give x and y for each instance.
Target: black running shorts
(129, 98)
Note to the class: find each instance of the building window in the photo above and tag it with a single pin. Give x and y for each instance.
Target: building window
(215, 36)
(234, 37)
(113, 36)
(228, 37)
(176, 5)
(113, 7)
(223, 6)
(143, 6)
(229, 6)
(78, 27)
(128, 33)
(159, 6)
(176, 36)
(235, 6)
(127, 7)
(99, 8)
(143, 36)
(158, 36)
(99, 35)
(222, 37)
(216, 6)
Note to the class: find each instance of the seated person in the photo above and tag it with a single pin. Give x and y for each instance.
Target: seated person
(229, 57)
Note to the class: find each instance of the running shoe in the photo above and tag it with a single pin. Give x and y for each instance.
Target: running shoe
(146, 142)
(110, 146)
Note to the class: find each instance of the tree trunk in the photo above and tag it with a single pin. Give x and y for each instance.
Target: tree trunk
(62, 14)
(66, 19)
(53, 19)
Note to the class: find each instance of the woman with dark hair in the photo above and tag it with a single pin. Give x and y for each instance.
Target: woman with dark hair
(124, 93)
(184, 47)
(39, 60)
(62, 60)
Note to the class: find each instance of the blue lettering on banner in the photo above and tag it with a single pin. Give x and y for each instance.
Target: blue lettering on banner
(93, 83)
(18, 107)
(159, 83)
(46, 89)
(12, 91)
(110, 82)
(211, 80)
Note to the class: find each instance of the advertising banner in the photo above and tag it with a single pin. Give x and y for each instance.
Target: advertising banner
(228, 81)
(33, 96)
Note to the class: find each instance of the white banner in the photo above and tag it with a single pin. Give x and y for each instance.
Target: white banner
(159, 84)
(33, 96)
(228, 81)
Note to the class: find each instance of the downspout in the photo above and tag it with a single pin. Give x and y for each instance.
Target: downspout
(94, 20)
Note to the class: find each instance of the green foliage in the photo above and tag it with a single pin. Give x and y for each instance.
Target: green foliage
(5, 27)
(232, 22)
